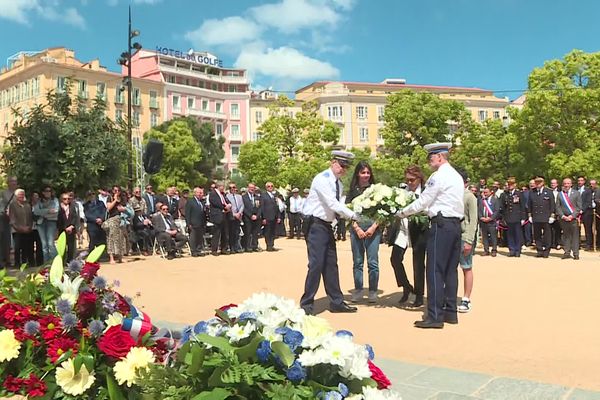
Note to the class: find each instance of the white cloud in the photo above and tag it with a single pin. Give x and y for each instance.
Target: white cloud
(231, 31)
(291, 16)
(18, 10)
(72, 17)
(22, 10)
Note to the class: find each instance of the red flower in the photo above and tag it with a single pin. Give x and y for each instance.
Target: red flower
(116, 342)
(50, 327)
(35, 386)
(89, 271)
(13, 315)
(13, 384)
(2, 298)
(122, 304)
(59, 346)
(225, 308)
(378, 376)
(86, 305)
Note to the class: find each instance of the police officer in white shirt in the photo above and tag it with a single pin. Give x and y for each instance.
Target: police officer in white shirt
(321, 208)
(443, 197)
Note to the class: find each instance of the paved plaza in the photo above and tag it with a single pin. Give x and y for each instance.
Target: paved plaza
(532, 333)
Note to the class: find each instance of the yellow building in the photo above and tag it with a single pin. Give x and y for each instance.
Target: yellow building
(359, 107)
(29, 76)
(260, 104)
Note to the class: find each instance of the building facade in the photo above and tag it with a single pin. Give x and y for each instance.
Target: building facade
(359, 107)
(196, 84)
(260, 110)
(28, 78)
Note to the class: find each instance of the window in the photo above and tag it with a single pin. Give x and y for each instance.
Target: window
(135, 118)
(335, 113)
(380, 135)
(26, 90)
(119, 94)
(232, 88)
(153, 99)
(153, 119)
(61, 84)
(201, 84)
(176, 103)
(380, 113)
(187, 81)
(482, 115)
(235, 110)
(235, 153)
(219, 129)
(191, 102)
(258, 115)
(256, 136)
(496, 114)
(204, 105)
(219, 107)
(82, 89)
(101, 90)
(214, 86)
(235, 131)
(171, 79)
(363, 134)
(136, 97)
(361, 112)
(118, 115)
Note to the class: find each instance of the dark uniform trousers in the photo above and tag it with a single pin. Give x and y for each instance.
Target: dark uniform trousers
(542, 237)
(197, 238)
(295, 220)
(443, 254)
(556, 227)
(570, 236)
(251, 231)
(269, 232)
(587, 220)
(322, 261)
(489, 235)
(514, 237)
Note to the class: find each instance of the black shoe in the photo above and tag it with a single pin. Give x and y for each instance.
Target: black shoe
(308, 310)
(226, 252)
(511, 254)
(214, 253)
(418, 301)
(494, 253)
(196, 255)
(575, 257)
(342, 308)
(170, 256)
(546, 255)
(429, 324)
(451, 319)
(539, 255)
(518, 254)
(485, 254)
(407, 290)
(565, 257)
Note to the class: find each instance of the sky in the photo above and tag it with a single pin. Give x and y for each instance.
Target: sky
(286, 44)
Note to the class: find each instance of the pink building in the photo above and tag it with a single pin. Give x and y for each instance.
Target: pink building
(197, 84)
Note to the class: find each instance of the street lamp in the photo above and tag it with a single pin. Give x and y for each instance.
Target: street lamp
(125, 60)
(505, 125)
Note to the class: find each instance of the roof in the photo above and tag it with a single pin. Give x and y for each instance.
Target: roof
(395, 86)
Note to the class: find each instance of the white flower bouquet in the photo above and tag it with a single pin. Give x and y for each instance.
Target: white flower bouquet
(380, 202)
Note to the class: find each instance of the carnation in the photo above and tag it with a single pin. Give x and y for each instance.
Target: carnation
(60, 346)
(9, 345)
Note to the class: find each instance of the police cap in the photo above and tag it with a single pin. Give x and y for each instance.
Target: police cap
(436, 148)
(344, 158)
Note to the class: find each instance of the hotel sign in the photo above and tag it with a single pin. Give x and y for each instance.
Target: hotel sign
(193, 57)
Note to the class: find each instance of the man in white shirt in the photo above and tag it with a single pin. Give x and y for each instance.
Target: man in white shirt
(295, 204)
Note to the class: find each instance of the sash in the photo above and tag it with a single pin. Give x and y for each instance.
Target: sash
(488, 207)
(567, 202)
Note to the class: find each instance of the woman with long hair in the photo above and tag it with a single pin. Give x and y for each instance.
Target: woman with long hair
(46, 213)
(115, 240)
(365, 237)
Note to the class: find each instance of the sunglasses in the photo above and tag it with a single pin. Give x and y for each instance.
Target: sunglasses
(66, 198)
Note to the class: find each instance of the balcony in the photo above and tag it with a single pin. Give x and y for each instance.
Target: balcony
(197, 112)
(153, 103)
(203, 75)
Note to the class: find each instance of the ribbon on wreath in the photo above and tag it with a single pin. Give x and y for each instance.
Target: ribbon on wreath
(138, 325)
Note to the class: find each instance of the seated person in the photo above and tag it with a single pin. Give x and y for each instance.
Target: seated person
(143, 233)
(167, 232)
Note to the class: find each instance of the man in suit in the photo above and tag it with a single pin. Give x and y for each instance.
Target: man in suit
(235, 218)
(513, 211)
(488, 214)
(219, 208)
(167, 232)
(150, 200)
(587, 212)
(568, 208)
(95, 214)
(294, 206)
(172, 202)
(269, 210)
(541, 213)
(142, 231)
(195, 218)
(596, 209)
(252, 220)
(555, 227)
(68, 222)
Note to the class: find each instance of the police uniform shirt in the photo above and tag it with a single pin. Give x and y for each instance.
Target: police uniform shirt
(444, 192)
(321, 201)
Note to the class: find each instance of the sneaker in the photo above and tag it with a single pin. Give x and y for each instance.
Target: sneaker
(357, 295)
(372, 297)
(465, 306)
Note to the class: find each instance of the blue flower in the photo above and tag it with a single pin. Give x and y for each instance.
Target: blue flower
(31, 328)
(344, 333)
(343, 389)
(69, 321)
(293, 339)
(332, 395)
(283, 330)
(75, 266)
(370, 351)
(63, 306)
(99, 282)
(109, 302)
(186, 334)
(247, 315)
(296, 373)
(96, 327)
(201, 327)
(263, 351)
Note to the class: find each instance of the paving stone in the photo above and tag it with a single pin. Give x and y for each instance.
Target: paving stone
(398, 371)
(580, 394)
(516, 389)
(451, 396)
(412, 392)
(449, 380)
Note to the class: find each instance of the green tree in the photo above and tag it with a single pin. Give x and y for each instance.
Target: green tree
(181, 155)
(557, 131)
(65, 144)
(292, 149)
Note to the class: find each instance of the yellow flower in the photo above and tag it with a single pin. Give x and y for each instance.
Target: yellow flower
(315, 330)
(9, 345)
(113, 319)
(127, 369)
(71, 383)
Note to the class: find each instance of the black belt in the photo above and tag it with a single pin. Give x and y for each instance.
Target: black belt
(442, 218)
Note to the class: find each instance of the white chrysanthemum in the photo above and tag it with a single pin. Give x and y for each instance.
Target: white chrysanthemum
(315, 331)
(378, 197)
(239, 332)
(260, 302)
(357, 366)
(310, 358)
(272, 317)
(72, 383)
(371, 393)
(126, 371)
(235, 312)
(366, 203)
(337, 349)
(293, 312)
(9, 345)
